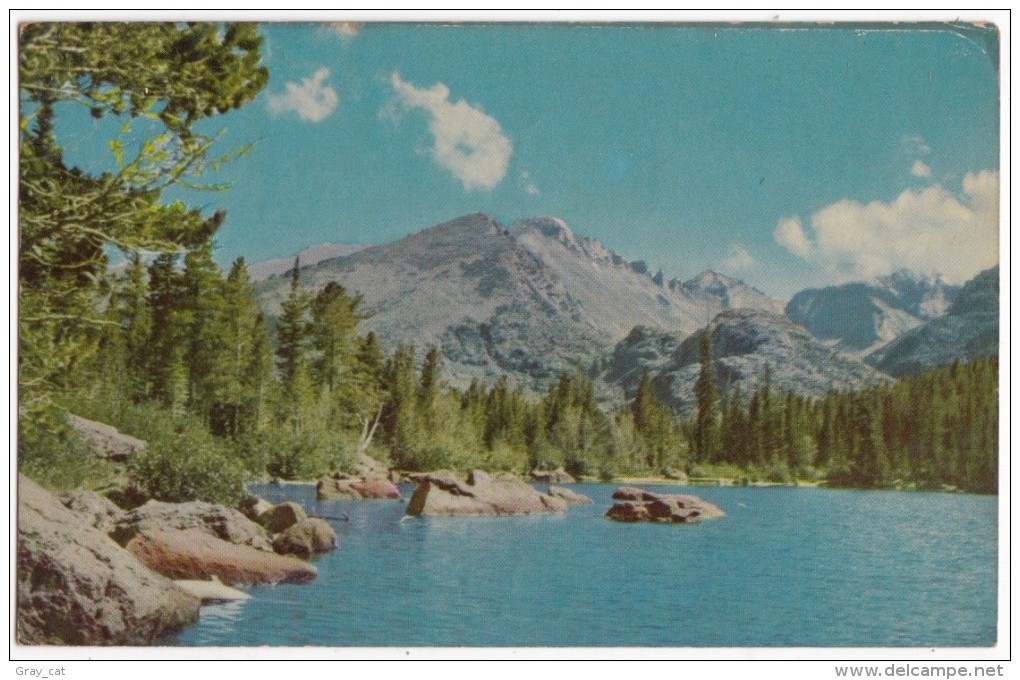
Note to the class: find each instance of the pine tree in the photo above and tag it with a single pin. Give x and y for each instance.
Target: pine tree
(707, 423)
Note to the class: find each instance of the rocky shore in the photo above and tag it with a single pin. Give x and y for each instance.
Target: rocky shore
(90, 573)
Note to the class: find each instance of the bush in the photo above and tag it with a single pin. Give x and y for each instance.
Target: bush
(53, 455)
(186, 463)
(302, 455)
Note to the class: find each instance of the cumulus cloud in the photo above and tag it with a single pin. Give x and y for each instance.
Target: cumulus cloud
(467, 142)
(790, 234)
(929, 230)
(739, 259)
(920, 169)
(311, 100)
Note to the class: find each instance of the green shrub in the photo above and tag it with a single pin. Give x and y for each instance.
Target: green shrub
(53, 455)
(302, 455)
(187, 463)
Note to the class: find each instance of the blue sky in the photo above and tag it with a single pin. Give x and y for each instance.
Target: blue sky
(787, 158)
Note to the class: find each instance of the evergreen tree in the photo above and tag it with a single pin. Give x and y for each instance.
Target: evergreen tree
(707, 423)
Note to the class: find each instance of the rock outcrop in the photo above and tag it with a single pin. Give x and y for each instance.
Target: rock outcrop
(195, 554)
(282, 516)
(444, 494)
(569, 496)
(638, 505)
(214, 520)
(309, 536)
(329, 488)
(98, 511)
(78, 587)
(369, 480)
(557, 476)
(105, 440)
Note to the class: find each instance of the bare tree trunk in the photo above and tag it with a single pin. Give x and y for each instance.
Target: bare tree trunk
(368, 432)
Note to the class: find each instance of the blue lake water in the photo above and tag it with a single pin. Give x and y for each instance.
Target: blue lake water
(785, 567)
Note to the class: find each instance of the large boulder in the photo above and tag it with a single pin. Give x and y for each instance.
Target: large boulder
(282, 517)
(215, 520)
(309, 536)
(369, 468)
(445, 494)
(639, 505)
(557, 476)
(105, 440)
(253, 506)
(78, 587)
(98, 511)
(329, 488)
(195, 554)
(569, 495)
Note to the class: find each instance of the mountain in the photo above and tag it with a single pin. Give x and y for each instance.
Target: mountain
(745, 344)
(260, 271)
(861, 317)
(528, 301)
(969, 329)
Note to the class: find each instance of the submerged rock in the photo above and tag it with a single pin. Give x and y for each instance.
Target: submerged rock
(76, 586)
(569, 495)
(195, 554)
(444, 494)
(309, 536)
(638, 505)
(223, 523)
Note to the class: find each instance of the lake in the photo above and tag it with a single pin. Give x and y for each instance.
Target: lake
(801, 567)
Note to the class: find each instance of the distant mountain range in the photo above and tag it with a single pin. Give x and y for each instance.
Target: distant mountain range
(858, 318)
(534, 299)
(528, 301)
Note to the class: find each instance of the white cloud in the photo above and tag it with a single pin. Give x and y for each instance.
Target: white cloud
(920, 169)
(528, 184)
(468, 142)
(311, 100)
(790, 234)
(739, 259)
(930, 230)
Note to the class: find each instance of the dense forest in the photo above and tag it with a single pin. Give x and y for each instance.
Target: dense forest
(169, 349)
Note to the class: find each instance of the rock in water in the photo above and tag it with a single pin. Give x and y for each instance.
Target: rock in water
(638, 505)
(309, 536)
(78, 587)
(194, 554)
(569, 495)
(329, 488)
(215, 520)
(444, 494)
(282, 517)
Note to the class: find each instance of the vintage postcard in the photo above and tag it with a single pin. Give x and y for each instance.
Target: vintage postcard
(535, 335)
